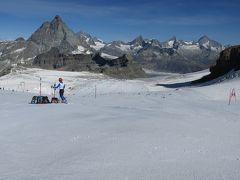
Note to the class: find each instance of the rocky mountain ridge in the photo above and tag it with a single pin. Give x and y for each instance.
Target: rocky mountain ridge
(169, 56)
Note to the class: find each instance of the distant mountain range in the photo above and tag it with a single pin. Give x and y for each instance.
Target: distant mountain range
(170, 56)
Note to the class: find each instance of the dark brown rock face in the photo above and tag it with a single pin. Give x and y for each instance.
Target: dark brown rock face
(55, 60)
(229, 60)
(122, 67)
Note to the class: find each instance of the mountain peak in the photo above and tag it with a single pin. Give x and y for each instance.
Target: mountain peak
(207, 42)
(57, 18)
(20, 39)
(174, 38)
(57, 21)
(170, 43)
(54, 34)
(204, 38)
(138, 40)
(155, 42)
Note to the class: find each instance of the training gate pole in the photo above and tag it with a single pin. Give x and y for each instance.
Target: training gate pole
(40, 86)
(95, 92)
(232, 95)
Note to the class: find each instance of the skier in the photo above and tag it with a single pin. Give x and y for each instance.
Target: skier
(61, 87)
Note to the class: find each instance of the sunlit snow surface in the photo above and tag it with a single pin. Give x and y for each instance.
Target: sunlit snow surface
(98, 45)
(131, 130)
(107, 56)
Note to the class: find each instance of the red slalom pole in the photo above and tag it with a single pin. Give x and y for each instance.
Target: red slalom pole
(231, 95)
(234, 95)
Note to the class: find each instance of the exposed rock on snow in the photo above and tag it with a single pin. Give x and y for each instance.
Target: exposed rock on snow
(123, 67)
(228, 61)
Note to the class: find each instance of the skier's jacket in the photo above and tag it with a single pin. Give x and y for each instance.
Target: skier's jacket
(60, 85)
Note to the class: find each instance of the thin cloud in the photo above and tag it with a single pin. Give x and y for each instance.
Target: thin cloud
(157, 12)
(38, 8)
(182, 21)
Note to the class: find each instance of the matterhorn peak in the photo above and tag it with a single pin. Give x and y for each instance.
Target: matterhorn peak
(57, 18)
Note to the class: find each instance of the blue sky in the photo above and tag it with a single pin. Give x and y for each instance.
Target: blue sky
(126, 19)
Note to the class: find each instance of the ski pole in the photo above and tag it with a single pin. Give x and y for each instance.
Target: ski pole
(54, 90)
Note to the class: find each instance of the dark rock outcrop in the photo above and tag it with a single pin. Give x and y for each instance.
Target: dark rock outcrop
(123, 67)
(229, 60)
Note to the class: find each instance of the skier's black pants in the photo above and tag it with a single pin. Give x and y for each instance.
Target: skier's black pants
(61, 92)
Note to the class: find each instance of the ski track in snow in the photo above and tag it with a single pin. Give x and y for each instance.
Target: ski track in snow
(131, 130)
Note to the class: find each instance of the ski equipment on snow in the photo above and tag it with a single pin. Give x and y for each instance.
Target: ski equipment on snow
(54, 99)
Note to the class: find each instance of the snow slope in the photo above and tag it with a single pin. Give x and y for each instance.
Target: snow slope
(80, 50)
(82, 83)
(107, 56)
(98, 45)
(138, 131)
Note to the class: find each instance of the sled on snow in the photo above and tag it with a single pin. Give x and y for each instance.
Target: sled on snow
(40, 100)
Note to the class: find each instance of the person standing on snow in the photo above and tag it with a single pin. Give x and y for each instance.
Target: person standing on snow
(61, 87)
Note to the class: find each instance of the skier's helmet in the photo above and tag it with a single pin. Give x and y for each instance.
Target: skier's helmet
(60, 79)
